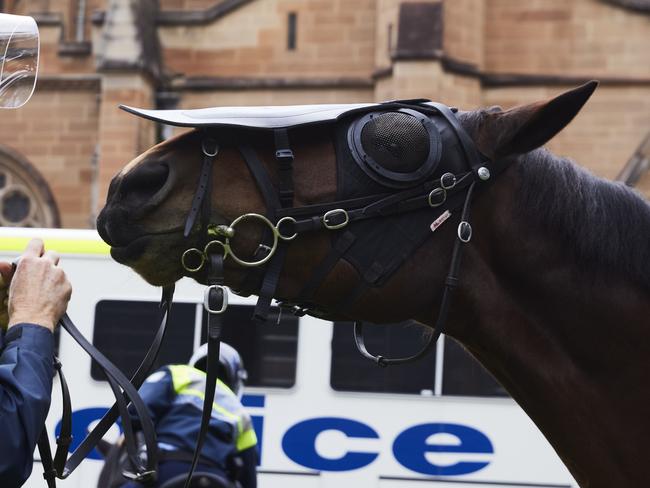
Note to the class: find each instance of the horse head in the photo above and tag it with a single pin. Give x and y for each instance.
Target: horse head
(149, 200)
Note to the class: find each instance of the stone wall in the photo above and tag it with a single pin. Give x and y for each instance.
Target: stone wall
(122, 136)
(57, 132)
(559, 37)
(333, 40)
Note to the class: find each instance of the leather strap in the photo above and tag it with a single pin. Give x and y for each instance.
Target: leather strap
(451, 283)
(52, 467)
(210, 151)
(91, 440)
(284, 158)
(118, 381)
(215, 306)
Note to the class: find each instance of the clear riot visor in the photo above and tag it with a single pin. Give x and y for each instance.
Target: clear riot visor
(19, 49)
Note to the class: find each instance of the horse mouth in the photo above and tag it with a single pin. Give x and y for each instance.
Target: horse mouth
(126, 253)
(131, 251)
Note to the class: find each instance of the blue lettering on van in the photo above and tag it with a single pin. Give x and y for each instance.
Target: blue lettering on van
(81, 421)
(299, 444)
(410, 448)
(258, 427)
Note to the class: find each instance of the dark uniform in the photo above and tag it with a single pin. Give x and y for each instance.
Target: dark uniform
(174, 397)
(26, 373)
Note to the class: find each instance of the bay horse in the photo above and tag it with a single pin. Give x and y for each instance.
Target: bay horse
(554, 296)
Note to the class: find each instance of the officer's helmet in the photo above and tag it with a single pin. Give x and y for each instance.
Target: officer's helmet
(231, 366)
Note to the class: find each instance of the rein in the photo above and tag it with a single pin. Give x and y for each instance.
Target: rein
(125, 390)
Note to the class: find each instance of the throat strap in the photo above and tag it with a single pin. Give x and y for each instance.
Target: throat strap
(451, 283)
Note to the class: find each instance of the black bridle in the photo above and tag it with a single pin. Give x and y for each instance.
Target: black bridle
(445, 194)
(282, 224)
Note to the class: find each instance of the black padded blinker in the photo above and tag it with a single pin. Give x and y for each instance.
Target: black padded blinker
(397, 149)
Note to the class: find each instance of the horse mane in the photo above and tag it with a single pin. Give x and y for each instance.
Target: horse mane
(605, 224)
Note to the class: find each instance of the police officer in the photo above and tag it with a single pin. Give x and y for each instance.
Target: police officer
(174, 397)
(32, 299)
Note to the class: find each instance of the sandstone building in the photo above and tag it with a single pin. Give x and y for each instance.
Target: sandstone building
(58, 153)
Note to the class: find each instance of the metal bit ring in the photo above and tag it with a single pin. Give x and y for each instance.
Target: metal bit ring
(274, 246)
(192, 252)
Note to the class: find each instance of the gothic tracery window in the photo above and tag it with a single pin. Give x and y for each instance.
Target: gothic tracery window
(25, 197)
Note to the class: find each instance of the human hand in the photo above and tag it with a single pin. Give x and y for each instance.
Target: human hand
(39, 291)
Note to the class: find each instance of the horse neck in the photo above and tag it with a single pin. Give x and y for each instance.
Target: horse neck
(571, 345)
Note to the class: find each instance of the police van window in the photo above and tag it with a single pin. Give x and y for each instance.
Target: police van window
(351, 372)
(124, 331)
(464, 375)
(269, 351)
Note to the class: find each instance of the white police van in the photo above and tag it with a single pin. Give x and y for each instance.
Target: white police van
(324, 416)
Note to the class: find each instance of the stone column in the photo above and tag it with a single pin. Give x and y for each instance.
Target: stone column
(129, 62)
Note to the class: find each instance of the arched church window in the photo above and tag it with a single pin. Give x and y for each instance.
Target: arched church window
(25, 197)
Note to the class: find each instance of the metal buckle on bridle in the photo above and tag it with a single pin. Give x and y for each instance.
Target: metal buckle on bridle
(464, 231)
(435, 193)
(331, 214)
(206, 299)
(282, 221)
(448, 181)
(209, 151)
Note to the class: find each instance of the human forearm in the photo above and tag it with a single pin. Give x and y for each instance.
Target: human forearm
(26, 373)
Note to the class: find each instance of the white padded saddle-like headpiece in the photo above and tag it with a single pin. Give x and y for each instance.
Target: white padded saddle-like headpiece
(271, 117)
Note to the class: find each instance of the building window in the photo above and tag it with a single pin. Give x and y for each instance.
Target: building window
(124, 331)
(25, 197)
(460, 375)
(291, 31)
(351, 372)
(269, 352)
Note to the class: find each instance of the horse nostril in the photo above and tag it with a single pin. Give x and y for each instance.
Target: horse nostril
(141, 184)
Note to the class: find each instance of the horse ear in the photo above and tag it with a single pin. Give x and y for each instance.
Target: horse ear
(528, 127)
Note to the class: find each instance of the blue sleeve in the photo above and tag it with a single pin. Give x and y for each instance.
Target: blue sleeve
(157, 393)
(26, 373)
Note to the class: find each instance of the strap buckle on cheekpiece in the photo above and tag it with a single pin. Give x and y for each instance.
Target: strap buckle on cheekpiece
(284, 155)
(211, 296)
(336, 219)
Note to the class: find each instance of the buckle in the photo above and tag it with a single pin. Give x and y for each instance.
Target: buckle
(448, 181)
(209, 147)
(332, 214)
(284, 155)
(206, 299)
(437, 197)
(464, 231)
